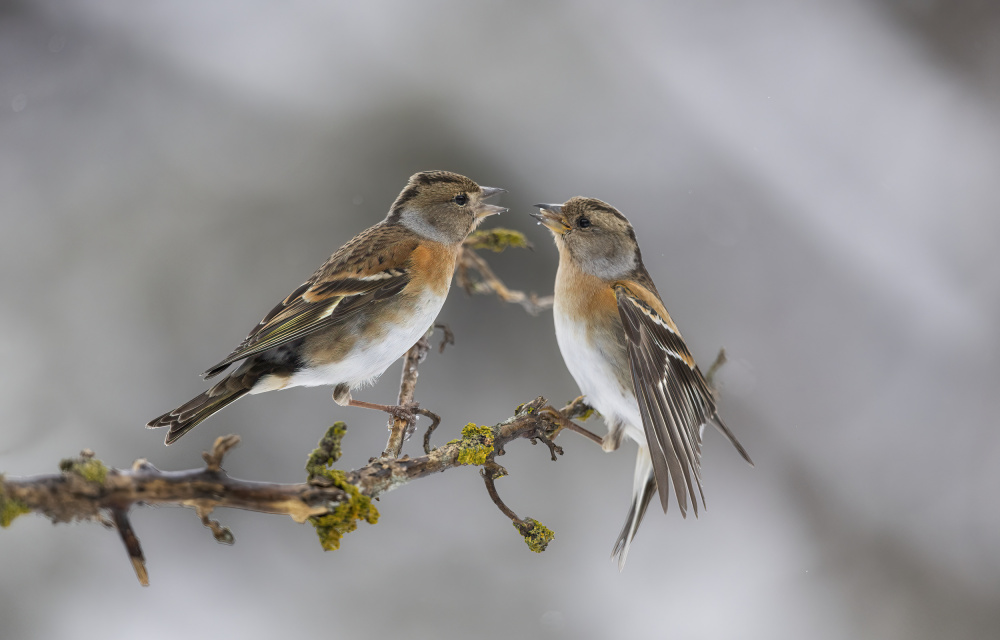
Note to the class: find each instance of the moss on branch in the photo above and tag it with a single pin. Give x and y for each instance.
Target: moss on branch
(332, 526)
(86, 466)
(344, 518)
(497, 240)
(537, 537)
(10, 508)
(476, 444)
(328, 451)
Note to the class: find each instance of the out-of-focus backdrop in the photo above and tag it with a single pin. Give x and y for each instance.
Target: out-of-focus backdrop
(814, 185)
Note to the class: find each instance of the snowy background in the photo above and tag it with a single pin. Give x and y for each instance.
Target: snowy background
(814, 185)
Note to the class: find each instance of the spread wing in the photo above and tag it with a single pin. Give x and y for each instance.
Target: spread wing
(673, 397)
(373, 266)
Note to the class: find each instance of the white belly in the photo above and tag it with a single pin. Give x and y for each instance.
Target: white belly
(596, 378)
(367, 360)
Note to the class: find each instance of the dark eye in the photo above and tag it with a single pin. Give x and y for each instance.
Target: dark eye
(461, 199)
(583, 223)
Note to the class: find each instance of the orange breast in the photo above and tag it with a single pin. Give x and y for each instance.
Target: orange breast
(432, 266)
(584, 297)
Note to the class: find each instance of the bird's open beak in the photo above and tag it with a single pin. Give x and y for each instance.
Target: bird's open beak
(551, 216)
(490, 209)
(489, 192)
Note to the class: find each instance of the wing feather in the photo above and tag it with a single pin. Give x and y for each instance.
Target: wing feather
(662, 435)
(673, 397)
(371, 267)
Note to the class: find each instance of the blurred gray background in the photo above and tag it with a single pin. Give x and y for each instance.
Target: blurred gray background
(814, 185)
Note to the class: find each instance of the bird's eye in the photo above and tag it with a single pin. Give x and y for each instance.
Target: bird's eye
(583, 223)
(461, 199)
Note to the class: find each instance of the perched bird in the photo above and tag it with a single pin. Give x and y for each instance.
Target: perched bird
(628, 357)
(363, 309)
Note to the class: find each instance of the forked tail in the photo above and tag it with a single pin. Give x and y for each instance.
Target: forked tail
(193, 412)
(643, 490)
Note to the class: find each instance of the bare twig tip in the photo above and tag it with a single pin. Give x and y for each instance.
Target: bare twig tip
(222, 446)
(712, 370)
(140, 571)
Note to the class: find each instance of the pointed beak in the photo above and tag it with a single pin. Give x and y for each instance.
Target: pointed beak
(551, 216)
(489, 192)
(490, 209)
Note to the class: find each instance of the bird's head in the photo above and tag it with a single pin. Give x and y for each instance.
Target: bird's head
(443, 206)
(593, 234)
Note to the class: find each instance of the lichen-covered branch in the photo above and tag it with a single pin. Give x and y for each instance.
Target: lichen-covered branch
(86, 489)
(475, 447)
(333, 500)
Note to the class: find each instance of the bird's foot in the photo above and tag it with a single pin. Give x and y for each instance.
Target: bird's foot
(404, 412)
(612, 439)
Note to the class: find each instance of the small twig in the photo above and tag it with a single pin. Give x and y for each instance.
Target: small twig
(490, 283)
(712, 370)
(536, 535)
(447, 339)
(221, 534)
(435, 421)
(132, 546)
(221, 446)
(400, 428)
(553, 447)
(490, 471)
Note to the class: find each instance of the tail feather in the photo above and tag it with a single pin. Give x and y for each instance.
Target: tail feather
(195, 411)
(643, 490)
(724, 430)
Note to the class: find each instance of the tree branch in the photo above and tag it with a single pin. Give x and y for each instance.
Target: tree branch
(88, 490)
(488, 282)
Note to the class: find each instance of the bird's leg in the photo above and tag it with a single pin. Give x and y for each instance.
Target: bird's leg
(563, 422)
(406, 413)
(400, 427)
(613, 438)
(404, 416)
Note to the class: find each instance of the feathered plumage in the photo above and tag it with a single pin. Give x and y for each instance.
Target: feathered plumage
(628, 356)
(361, 310)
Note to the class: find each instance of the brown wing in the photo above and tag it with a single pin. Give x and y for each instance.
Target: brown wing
(372, 266)
(673, 397)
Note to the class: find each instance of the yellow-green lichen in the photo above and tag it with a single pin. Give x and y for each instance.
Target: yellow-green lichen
(356, 506)
(497, 240)
(476, 444)
(328, 451)
(331, 527)
(539, 537)
(10, 508)
(519, 407)
(87, 467)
